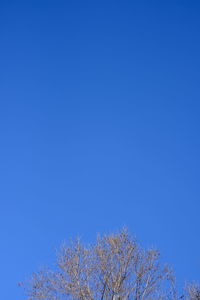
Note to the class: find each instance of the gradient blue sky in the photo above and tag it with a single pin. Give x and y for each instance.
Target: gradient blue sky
(99, 120)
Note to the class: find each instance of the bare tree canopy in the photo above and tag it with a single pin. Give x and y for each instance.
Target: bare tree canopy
(116, 267)
(192, 291)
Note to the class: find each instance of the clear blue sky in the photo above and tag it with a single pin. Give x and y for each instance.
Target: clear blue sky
(99, 120)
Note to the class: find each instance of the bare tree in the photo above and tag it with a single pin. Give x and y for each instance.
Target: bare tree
(192, 291)
(114, 268)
